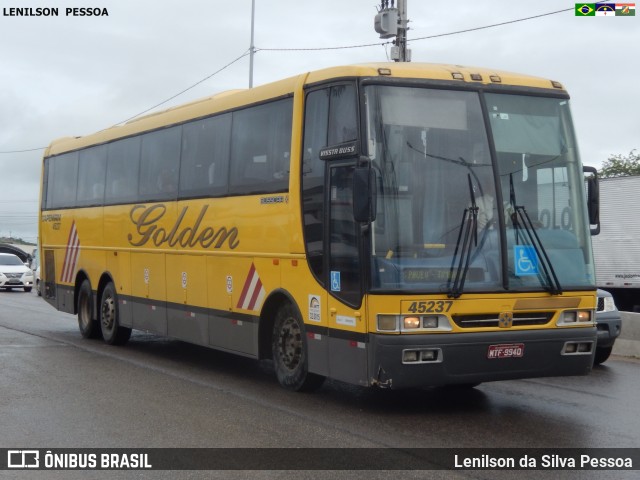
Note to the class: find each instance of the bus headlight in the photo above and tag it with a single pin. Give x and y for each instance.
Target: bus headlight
(575, 317)
(413, 323)
(430, 321)
(387, 323)
(410, 323)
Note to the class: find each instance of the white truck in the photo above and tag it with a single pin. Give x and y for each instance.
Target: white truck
(617, 247)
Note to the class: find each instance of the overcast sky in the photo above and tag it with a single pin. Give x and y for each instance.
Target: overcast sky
(62, 76)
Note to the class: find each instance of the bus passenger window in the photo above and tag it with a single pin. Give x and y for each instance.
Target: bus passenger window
(123, 160)
(160, 153)
(91, 174)
(260, 141)
(166, 182)
(204, 163)
(62, 180)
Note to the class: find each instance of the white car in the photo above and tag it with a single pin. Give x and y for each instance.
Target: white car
(38, 286)
(609, 322)
(14, 273)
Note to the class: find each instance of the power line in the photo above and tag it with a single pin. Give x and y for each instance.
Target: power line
(187, 89)
(345, 47)
(151, 108)
(24, 151)
(321, 48)
(492, 25)
(416, 39)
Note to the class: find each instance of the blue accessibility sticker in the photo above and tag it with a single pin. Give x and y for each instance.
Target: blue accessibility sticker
(335, 281)
(526, 260)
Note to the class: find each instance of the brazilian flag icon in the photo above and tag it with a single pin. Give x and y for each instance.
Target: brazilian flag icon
(585, 9)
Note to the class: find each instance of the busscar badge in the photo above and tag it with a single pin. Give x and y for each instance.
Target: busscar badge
(505, 320)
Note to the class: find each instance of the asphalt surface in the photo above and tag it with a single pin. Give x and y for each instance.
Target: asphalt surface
(58, 390)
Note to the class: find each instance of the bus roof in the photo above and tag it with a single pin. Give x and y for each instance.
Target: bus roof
(237, 98)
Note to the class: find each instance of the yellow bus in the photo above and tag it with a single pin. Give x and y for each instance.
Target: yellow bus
(393, 225)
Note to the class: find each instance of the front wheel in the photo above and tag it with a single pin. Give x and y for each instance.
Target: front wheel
(112, 332)
(290, 356)
(27, 289)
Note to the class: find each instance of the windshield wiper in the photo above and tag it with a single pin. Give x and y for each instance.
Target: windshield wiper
(467, 237)
(520, 216)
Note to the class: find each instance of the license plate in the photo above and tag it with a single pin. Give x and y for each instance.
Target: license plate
(510, 350)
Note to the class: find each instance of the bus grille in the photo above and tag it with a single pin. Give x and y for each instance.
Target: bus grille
(491, 320)
(600, 304)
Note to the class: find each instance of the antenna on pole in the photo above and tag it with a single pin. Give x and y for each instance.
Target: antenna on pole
(392, 22)
(252, 48)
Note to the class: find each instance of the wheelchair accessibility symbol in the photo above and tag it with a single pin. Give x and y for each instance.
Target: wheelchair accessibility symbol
(335, 281)
(526, 260)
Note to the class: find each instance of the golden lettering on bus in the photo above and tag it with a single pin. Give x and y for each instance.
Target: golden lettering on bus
(146, 221)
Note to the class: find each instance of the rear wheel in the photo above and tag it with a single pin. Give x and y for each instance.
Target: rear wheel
(602, 354)
(290, 356)
(112, 332)
(89, 328)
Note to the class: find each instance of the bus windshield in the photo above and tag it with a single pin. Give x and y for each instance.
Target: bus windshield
(452, 218)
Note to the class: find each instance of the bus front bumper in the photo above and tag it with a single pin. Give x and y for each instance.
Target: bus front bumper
(405, 361)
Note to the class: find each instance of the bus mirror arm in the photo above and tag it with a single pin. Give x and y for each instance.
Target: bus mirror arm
(364, 194)
(593, 199)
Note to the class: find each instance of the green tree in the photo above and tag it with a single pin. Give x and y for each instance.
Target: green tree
(621, 165)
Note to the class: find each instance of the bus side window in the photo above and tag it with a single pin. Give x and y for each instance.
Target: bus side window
(123, 163)
(91, 174)
(343, 125)
(159, 164)
(260, 140)
(330, 119)
(62, 180)
(204, 161)
(315, 137)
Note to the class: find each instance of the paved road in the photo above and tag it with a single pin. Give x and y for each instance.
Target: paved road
(58, 390)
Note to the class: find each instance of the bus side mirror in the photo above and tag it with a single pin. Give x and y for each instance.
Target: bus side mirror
(364, 194)
(593, 199)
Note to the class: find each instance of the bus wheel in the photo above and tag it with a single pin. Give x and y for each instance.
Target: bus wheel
(290, 352)
(89, 328)
(112, 332)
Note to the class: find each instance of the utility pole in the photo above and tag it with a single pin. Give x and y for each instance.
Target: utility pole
(252, 48)
(392, 22)
(401, 39)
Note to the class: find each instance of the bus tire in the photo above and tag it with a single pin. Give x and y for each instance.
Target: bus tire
(290, 356)
(89, 328)
(112, 332)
